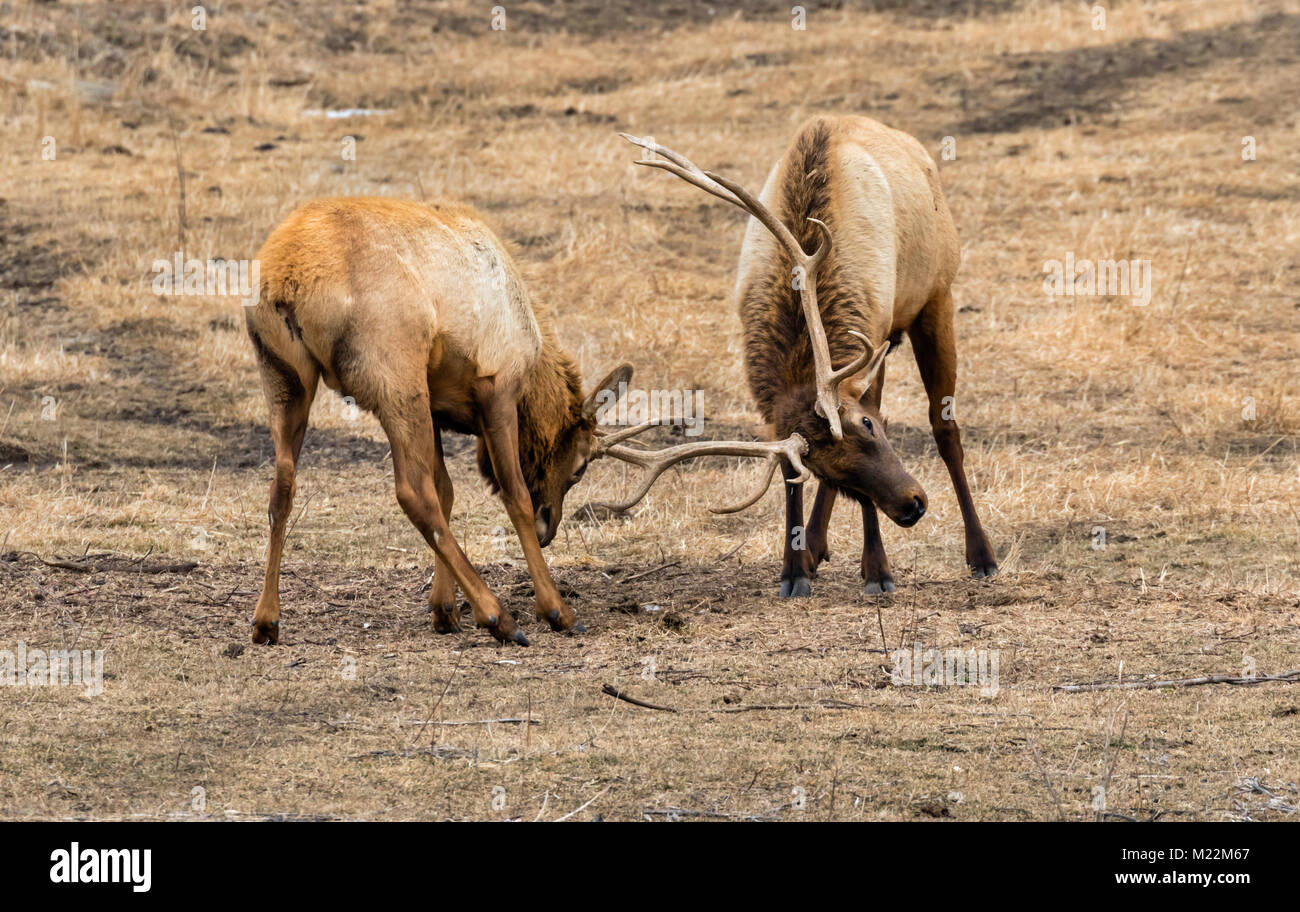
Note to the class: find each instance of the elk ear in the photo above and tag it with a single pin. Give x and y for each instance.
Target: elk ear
(608, 391)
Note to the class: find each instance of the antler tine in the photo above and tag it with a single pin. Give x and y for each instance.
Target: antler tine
(682, 166)
(824, 247)
(726, 189)
(608, 439)
(848, 370)
(759, 490)
(652, 146)
(656, 462)
(691, 177)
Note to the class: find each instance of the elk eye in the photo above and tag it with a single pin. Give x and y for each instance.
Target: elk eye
(866, 423)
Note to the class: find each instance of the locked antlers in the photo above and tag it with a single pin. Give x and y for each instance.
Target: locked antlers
(656, 462)
(804, 274)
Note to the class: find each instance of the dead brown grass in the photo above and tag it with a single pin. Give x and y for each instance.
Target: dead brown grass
(1077, 413)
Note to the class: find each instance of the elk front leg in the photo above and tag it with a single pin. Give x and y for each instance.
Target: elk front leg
(935, 347)
(796, 565)
(819, 524)
(876, 575)
(415, 458)
(500, 426)
(442, 594)
(875, 565)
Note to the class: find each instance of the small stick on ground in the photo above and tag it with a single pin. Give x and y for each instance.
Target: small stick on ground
(1287, 677)
(730, 553)
(180, 187)
(1047, 783)
(446, 687)
(611, 690)
(1112, 756)
(676, 813)
(637, 576)
(208, 493)
(584, 805)
(774, 707)
(509, 720)
(884, 644)
(109, 564)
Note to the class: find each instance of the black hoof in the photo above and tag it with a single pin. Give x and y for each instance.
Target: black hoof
(799, 587)
(880, 586)
(446, 619)
(266, 634)
(515, 636)
(557, 624)
(985, 571)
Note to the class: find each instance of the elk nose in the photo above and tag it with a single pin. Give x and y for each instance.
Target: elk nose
(913, 516)
(545, 528)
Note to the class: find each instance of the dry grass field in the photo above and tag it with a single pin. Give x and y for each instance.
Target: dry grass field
(1137, 466)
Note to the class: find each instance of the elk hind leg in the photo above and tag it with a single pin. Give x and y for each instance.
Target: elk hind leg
(288, 398)
(934, 344)
(442, 595)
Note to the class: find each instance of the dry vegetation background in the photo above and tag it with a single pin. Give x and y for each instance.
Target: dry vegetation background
(1077, 413)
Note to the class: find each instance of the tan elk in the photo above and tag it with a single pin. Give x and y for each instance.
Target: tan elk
(875, 191)
(418, 313)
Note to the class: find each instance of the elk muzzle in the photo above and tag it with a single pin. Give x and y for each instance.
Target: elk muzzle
(543, 522)
(907, 508)
(913, 516)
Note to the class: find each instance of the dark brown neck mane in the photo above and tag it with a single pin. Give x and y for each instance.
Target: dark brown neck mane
(778, 350)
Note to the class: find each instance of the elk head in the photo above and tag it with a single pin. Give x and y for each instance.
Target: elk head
(553, 454)
(844, 433)
(860, 462)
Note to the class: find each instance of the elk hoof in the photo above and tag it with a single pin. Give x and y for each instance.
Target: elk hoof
(514, 636)
(984, 571)
(556, 620)
(502, 626)
(446, 619)
(799, 587)
(266, 634)
(880, 586)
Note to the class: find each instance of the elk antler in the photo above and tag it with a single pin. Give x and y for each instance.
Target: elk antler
(655, 462)
(804, 274)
